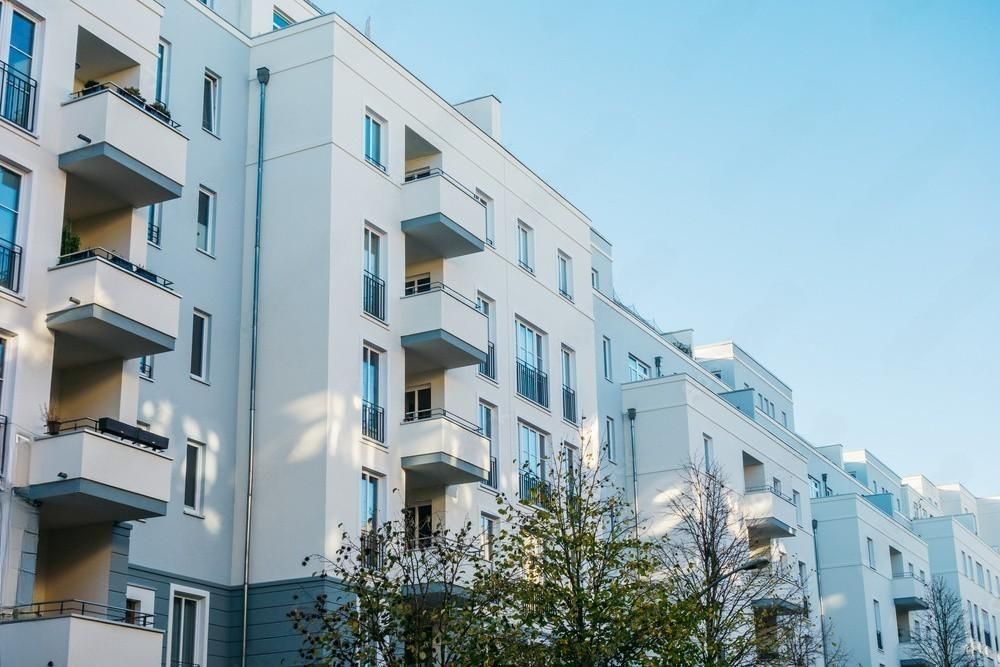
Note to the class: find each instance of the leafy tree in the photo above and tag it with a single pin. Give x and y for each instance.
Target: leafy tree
(942, 639)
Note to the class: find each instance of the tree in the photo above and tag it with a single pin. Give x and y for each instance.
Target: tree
(407, 598)
(572, 583)
(799, 641)
(941, 639)
(744, 598)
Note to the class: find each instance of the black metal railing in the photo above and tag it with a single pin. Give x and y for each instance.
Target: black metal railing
(153, 232)
(532, 383)
(768, 489)
(430, 288)
(373, 295)
(565, 293)
(117, 260)
(488, 368)
(10, 265)
(3, 445)
(154, 110)
(441, 413)
(534, 489)
(524, 265)
(113, 427)
(57, 608)
(19, 92)
(569, 404)
(373, 421)
(494, 477)
(371, 549)
(375, 163)
(146, 367)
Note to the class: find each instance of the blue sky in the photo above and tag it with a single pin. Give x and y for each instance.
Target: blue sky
(819, 182)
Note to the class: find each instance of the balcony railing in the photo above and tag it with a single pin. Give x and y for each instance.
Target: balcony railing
(569, 404)
(372, 549)
(57, 608)
(118, 261)
(488, 368)
(19, 91)
(494, 478)
(441, 413)
(112, 427)
(10, 265)
(153, 110)
(3, 445)
(374, 295)
(534, 489)
(373, 421)
(771, 490)
(532, 383)
(153, 230)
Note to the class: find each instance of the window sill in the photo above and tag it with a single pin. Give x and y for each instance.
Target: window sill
(571, 423)
(14, 297)
(146, 378)
(206, 253)
(483, 486)
(527, 400)
(568, 297)
(375, 320)
(200, 380)
(211, 133)
(492, 381)
(193, 513)
(372, 441)
(378, 168)
(154, 245)
(527, 269)
(33, 136)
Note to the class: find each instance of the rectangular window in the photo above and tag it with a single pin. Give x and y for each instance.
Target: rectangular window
(417, 404)
(417, 284)
(419, 526)
(201, 342)
(487, 531)
(803, 574)
(205, 237)
(532, 381)
(373, 291)
(965, 565)
(153, 218)
(532, 446)
(784, 419)
(609, 439)
(878, 624)
(568, 384)
(814, 487)
(372, 413)
(10, 252)
(373, 142)
(19, 88)
(797, 501)
(486, 306)
(210, 103)
(708, 453)
(370, 514)
(595, 279)
(606, 352)
(279, 20)
(524, 247)
(776, 485)
(487, 427)
(146, 366)
(194, 472)
(871, 552)
(162, 90)
(487, 203)
(188, 629)
(979, 575)
(637, 370)
(565, 266)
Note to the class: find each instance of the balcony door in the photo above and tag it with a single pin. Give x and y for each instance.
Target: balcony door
(18, 86)
(532, 450)
(417, 403)
(529, 346)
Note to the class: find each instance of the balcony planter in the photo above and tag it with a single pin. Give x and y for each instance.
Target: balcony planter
(90, 87)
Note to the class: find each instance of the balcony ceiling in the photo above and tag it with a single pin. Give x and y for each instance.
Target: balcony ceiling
(96, 59)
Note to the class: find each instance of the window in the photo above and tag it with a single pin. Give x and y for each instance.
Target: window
(486, 306)
(146, 366)
(814, 487)
(370, 514)
(18, 99)
(606, 351)
(139, 601)
(609, 439)
(417, 284)
(565, 275)
(717, 374)
(487, 203)
(878, 624)
(571, 465)
(532, 446)
(803, 573)
(487, 428)
(419, 526)
(532, 382)
(797, 501)
(776, 485)
(373, 292)
(487, 531)
(595, 279)
(784, 419)
(201, 342)
(372, 413)
(10, 252)
(637, 370)
(279, 20)
(210, 103)
(871, 552)
(162, 89)
(194, 472)
(373, 142)
(965, 565)
(708, 454)
(979, 575)
(417, 404)
(153, 217)
(205, 237)
(188, 627)
(524, 247)
(568, 384)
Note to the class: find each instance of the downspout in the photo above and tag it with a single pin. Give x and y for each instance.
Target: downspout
(635, 475)
(263, 76)
(819, 587)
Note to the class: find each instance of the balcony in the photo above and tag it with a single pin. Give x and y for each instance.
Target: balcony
(124, 151)
(373, 295)
(910, 655)
(74, 632)
(440, 448)
(532, 383)
(91, 471)
(777, 606)
(442, 329)
(909, 593)
(769, 513)
(440, 217)
(110, 307)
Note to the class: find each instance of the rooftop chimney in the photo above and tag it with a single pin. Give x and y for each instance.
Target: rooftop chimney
(484, 112)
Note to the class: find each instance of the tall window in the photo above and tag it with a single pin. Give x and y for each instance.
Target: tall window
(373, 296)
(524, 247)
(797, 501)
(373, 141)
(532, 382)
(419, 525)
(146, 366)
(606, 355)
(814, 487)
(161, 90)
(571, 463)
(210, 103)
(372, 413)
(279, 20)
(205, 237)
(609, 439)
(878, 624)
(194, 472)
(188, 625)
(529, 345)
(154, 214)
(803, 574)
(871, 552)
(487, 308)
(370, 516)
(565, 275)
(417, 403)
(19, 87)
(487, 203)
(637, 370)
(595, 279)
(532, 445)
(708, 455)
(10, 252)
(487, 531)
(568, 384)
(487, 426)
(201, 337)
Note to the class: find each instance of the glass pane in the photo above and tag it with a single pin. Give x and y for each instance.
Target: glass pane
(190, 620)
(191, 477)
(10, 188)
(197, 345)
(208, 105)
(159, 72)
(22, 42)
(175, 639)
(204, 213)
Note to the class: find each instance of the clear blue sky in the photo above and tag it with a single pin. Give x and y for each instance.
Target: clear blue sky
(820, 183)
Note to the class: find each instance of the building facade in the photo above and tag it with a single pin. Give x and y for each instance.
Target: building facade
(259, 284)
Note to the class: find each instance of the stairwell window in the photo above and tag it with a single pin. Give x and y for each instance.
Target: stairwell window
(871, 552)
(878, 624)
(565, 267)
(595, 279)
(374, 144)
(201, 341)
(525, 247)
(162, 87)
(606, 355)
(797, 501)
(194, 473)
(210, 103)
(205, 230)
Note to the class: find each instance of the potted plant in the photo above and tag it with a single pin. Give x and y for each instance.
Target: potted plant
(160, 108)
(70, 241)
(90, 86)
(133, 92)
(51, 419)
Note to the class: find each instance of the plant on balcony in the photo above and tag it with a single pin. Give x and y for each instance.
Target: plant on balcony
(70, 241)
(161, 109)
(50, 418)
(133, 93)
(90, 86)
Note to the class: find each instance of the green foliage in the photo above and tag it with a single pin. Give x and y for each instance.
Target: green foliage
(70, 241)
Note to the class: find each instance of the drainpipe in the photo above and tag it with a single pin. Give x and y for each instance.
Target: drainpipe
(263, 76)
(635, 476)
(819, 587)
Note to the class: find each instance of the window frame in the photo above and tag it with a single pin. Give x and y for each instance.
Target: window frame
(610, 444)
(369, 479)
(525, 250)
(198, 508)
(276, 14)
(154, 221)
(564, 273)
(606, 351)
(212, 198)
(214, 92)
(206, 346)
(202, 599)
(638, 370)
(488, 204)
(20, 233)
(161, 85)
(373, 119)
(7, 12)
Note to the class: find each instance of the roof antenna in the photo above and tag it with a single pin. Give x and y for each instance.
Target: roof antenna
(368, 27)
